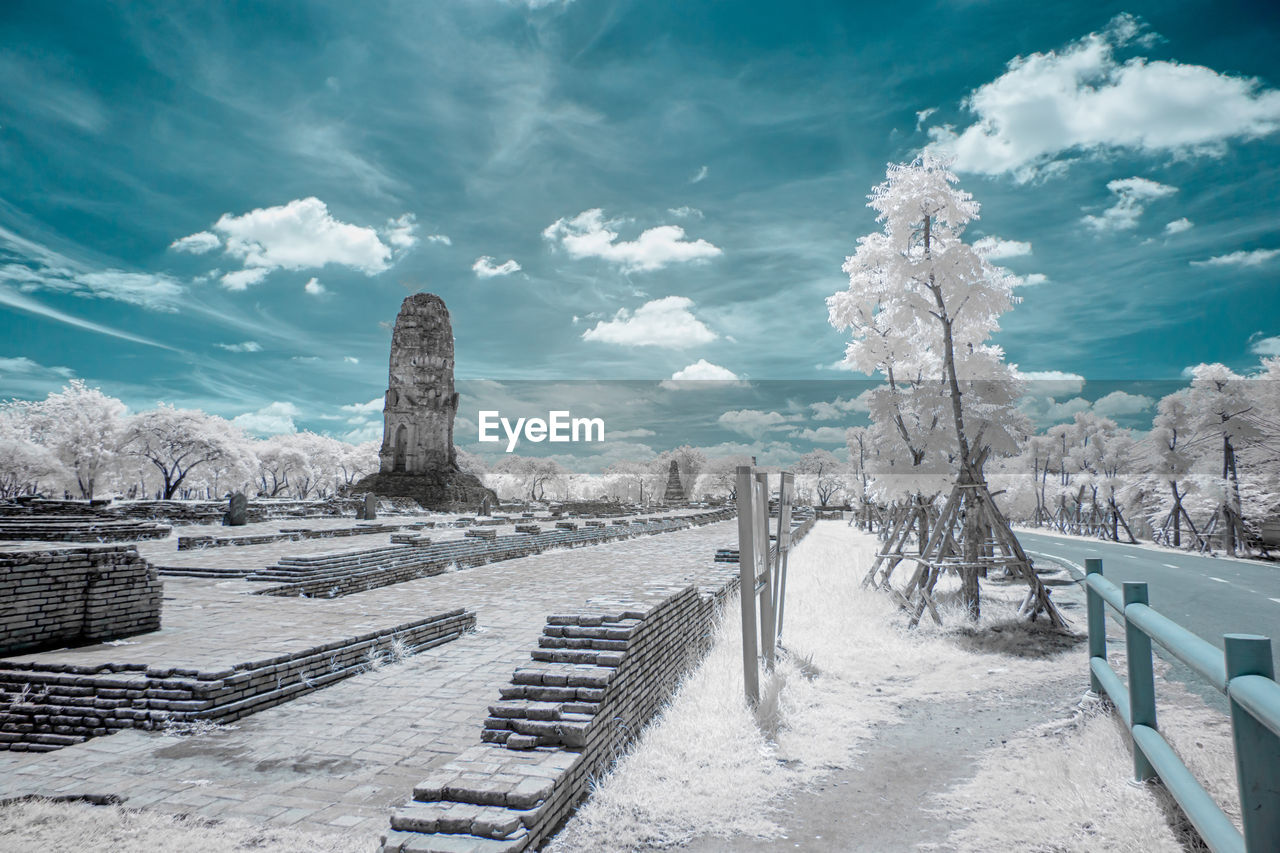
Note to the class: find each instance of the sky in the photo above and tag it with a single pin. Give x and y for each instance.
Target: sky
(221, 206)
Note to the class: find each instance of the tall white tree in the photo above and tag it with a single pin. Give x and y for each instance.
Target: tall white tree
(923, 304)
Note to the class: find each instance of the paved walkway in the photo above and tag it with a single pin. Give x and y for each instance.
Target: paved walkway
(339, 758)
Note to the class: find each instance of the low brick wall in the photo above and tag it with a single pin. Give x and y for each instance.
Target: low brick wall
(44, 707)
(597, 678)
(190, 543)
(81, 528)
(345, 573)
(75, 594)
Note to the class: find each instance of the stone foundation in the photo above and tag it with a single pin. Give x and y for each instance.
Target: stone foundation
(75, 594)
(447, 491)
(45, 707)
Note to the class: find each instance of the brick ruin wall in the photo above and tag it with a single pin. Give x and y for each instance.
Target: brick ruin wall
(597, 678)
(75, 594)
(336, 575)
(47, 707)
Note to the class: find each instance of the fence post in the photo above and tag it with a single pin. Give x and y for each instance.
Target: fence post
(768, 623)
(1257, 747)
(1097, 610)
(747, 582)
(1142, 686)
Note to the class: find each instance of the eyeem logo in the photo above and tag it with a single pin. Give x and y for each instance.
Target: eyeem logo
(558, 426)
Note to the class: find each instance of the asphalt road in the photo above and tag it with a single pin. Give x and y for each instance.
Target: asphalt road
(1209, 596)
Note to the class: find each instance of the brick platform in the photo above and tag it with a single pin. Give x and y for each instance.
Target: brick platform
(74, 594)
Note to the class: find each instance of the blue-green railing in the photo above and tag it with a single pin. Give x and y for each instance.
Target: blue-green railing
(1244, 672)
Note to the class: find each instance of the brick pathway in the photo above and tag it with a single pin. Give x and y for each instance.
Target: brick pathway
(340, 758)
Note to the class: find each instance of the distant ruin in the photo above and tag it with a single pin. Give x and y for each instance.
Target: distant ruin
(675, 490)
(417, 458)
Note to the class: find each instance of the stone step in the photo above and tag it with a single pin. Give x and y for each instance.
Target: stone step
(482, 790)
(413, 842)
(492, 822)
(579, 656)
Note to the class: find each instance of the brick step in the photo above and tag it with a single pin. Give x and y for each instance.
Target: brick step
(578, 656)
(412, 842)
(584, 643)
(481, 790)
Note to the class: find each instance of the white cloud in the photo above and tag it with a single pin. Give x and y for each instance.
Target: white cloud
(702, 370)
(1177, 226)
(22, 364)
(1082, 100)
(695, 377)
(350, 359)
(197, 244)
(996, 248)
(699, 176)
(923, 115)
(442, 239)
(752, 422)
(272, 419)
(300, 235)
(1265, 346)
(685, 212)
(665, 322)
(1132, 197)
(589, 235)
(314, 287)
(1254, 258)
(247, 346)
(822, 435)
(1119, 403)
(1054, 383)
(401, 232)
(839, 407)
(241, 279)
(1032, 279)
(485, 267)
(374, 405)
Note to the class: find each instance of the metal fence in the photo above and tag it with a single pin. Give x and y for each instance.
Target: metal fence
(1244, 673)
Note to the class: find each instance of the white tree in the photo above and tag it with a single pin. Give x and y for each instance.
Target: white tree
(1221, 398)
(923, 304)
(822, 473)
(178, 441)
(81, 426)
(278, 457)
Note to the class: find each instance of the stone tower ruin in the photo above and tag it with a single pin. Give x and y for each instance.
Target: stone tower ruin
(420, 403)
(417, 458)
(675, 491)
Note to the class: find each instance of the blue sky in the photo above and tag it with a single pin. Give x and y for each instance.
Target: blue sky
(222, 206)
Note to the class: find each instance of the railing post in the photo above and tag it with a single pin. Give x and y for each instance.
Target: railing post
(1142, 685)
(747, 543)
(1257, 747)
(1097, 622)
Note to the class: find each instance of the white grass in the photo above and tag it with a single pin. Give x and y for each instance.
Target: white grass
(707, 767)
(1064, 787)
(61, 826)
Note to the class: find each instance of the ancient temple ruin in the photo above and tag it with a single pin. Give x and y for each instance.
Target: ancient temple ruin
(675, 491)
(417, 458)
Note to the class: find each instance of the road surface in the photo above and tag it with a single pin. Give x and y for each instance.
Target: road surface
(1209, 596)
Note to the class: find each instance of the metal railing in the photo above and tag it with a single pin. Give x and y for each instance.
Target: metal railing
(1244, 672)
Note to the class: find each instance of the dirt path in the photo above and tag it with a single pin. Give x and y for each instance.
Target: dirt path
(882, 805)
